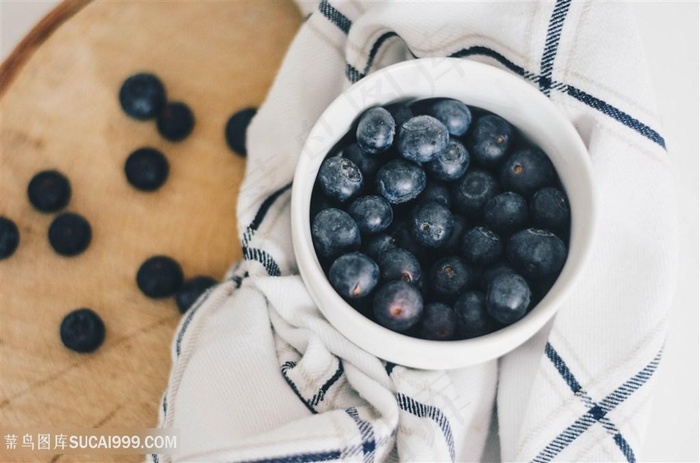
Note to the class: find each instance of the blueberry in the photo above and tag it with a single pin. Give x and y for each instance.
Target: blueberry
(549, 209)
(507, 298)
(422, 138)
(438, 323)
(400, 112)
(373, 214)
(481, 246)
(49, 191)
(401, 232)
(451, 245)
(431, 224)
(354, 275)
(9, 237)
(398, 305)
(159, 277)
(495, 270)
(471, 193)
(340, 179)
(82, 330)
(506, 213)
(146, 169)
(70, 234)
(399, 181)
(450, 164)
(399, 264)
(334, 233)
(536, 253)
(175, 122)
(236, 129)
(191, 290)
(472, 318)
(375, 131)
(376, 245)
(368, 164)
(318, 203)
(451, 276)
(436, 191)
(453, 113)
(489, 140)
(527, 170)
(142, 96)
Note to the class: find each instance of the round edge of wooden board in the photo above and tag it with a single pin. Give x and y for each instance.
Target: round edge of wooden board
(14, 62)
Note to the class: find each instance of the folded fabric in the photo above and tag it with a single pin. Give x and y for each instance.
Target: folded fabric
(259, 374)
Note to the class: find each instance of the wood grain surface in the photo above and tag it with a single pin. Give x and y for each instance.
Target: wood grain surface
(60, 110)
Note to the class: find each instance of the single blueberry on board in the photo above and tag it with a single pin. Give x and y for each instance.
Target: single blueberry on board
(472, 317)
(142, 96)
(9, 237)
(354, 275)
(159, 277)
(436, 191)
(489, 140)
(340, 179)
(82, 330)
(472, 191)
(549, 209)
(191, 290)
(438, 323)
(399, 264)
(176, 121)
(377, 245)
(334, 233)
(454, 114)
(536, 253)
(481, 246)
(506, 213)
(399, 181)
(368, 164)
(375, 130)
(49, 191)
(146, 169)
(431, 224)
(451, 276)
(70, 234)
(422, 138)
(373, 214)
(527, 170)
(508, 298)
(450, 164)
(236, 129)
(398, 305)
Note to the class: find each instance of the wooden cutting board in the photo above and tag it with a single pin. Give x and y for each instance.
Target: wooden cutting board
(60, 110)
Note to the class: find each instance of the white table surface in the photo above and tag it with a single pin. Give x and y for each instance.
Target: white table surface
(670, 34)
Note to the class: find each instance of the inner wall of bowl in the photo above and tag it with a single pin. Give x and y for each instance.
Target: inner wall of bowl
(487, 88)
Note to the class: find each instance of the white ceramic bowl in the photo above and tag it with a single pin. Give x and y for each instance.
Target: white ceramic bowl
(478, 85)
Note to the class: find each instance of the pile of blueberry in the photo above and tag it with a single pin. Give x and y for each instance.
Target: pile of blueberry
(439, 220)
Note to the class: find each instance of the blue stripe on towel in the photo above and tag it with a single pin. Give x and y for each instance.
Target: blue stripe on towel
(422, 410)
(369, 443)
(334, 16)
(556, 24)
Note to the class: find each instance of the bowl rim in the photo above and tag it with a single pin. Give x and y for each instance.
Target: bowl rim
(396, 347)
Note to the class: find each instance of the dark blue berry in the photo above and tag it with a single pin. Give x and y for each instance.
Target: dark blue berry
(401, 232)
(536, 253)
(159, 277)
(334, 233)
(146, 169)
(340, 179)
(481, 246)
(236, 129)
(318, 203)
(472, 318)
(400, 112)
(175, 122)
(495, 270)
(450, 164)
(527, 170)
(191, 290)
(372, 214)
(9, 237)
(49, 191)
(506, 213)
(489, 140)
(399, 264)
(82, 330)
(375, 131)
(376, 245)
(70, 234)
(454, 114)
(422, 138)
(549, 209)
(452, 244)
(508, 298)
(398, 305)
(473, 191)
(438, 323)
(354, 275)
(436, 191)
(451, 276)
(142, 96)
(431, 224)
(399, 181)
(368, 164)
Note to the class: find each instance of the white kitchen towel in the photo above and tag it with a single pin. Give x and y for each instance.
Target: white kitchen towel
(258, 373)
